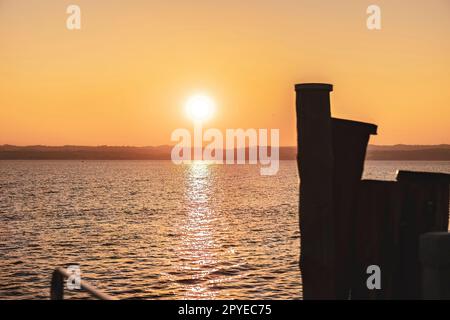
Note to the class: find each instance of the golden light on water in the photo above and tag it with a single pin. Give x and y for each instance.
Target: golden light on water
(198, 237)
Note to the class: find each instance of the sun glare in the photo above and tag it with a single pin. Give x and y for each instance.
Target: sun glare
(200, 107)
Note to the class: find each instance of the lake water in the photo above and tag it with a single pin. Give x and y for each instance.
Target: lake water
(153, 230)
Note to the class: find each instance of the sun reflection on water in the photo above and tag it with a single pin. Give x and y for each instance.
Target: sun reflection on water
(198, 254)
(150, 230)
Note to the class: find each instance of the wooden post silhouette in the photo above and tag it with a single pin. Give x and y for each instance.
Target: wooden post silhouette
(331, 155)
(435, 259)
(347, 225)
(390, 218)
(350, 139)
(315, 164)
(376, 238)
(425, 208)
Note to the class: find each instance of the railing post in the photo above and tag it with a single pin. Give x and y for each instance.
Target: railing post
(57, 286)
(435, 258)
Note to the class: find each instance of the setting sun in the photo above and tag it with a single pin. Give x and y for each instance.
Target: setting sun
(200, 107)
(225, 150)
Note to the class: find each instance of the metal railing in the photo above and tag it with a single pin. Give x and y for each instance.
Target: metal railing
(57, 286)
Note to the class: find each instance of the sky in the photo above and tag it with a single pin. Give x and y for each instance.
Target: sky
(124, 78)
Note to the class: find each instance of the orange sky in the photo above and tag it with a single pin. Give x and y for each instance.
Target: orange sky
(123, 78)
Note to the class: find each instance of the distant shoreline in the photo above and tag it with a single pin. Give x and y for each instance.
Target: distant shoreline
(374, 152)
(86, 160)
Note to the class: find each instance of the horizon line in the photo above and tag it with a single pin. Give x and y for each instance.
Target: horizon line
(169, 145)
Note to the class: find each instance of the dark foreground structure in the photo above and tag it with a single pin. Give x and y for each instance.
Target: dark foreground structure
(349, 225)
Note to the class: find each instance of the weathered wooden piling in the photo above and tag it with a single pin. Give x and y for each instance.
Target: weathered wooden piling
(315, 164)
(376, 238)
(390, 218)
(425, 208)
(350, 139)
(435, 259)
(347, 224)
(331, 159)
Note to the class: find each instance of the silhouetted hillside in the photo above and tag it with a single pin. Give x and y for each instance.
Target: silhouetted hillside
(9, 152)
(409, 152)
(85, 153)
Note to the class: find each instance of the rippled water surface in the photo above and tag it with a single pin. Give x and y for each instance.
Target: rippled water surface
(150, 229)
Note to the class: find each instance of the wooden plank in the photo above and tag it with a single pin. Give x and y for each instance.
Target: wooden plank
(376, 238)
(350, 139)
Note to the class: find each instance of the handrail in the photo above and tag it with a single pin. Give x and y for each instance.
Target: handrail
(57, 286)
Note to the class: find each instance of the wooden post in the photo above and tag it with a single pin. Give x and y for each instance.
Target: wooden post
(376, 239)
(425, 208)
(435, 259)
(390, 218)
(331, 155)
(341, 217)
(315, 164)
(350, 139)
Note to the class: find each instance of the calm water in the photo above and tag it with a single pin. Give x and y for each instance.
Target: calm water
(150, 229)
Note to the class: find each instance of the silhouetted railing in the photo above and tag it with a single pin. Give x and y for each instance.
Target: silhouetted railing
(57, 286)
